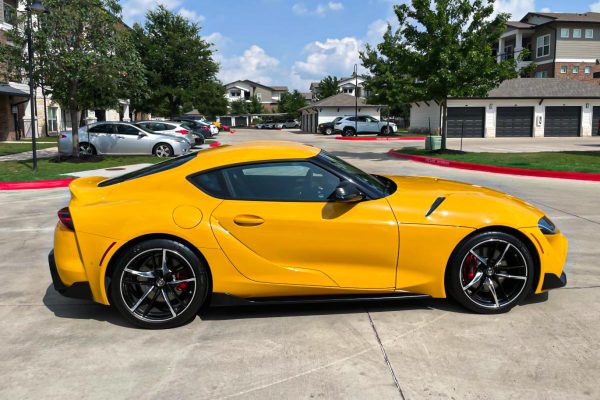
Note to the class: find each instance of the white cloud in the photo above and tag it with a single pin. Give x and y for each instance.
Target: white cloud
(547, 10)
(218, 40)
(320, 10)
(595, 7)
(191, 15)
(135, 10)
(255, 64)
(516, 8)
(332, 57)
(375, 31)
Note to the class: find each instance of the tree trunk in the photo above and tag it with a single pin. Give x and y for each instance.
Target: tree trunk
(444, 123)
(75, 131)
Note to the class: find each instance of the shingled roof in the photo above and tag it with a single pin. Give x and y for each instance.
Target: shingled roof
(544, 88)
(340, 100)
(569, 17)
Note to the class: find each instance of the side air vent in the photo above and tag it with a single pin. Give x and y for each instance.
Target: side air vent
(435, 205)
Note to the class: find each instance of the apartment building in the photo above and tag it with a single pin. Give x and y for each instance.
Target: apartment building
(244, 89)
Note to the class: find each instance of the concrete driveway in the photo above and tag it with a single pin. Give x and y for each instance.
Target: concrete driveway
(53, 347)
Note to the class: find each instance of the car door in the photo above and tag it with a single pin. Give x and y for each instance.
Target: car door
(363, 124)
(277, 224)
(371, 125)
(102, 136)
(129, 140)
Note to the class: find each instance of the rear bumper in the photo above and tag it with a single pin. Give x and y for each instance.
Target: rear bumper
(78, 290)
(552, 281)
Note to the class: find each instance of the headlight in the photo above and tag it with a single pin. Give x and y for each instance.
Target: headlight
(546, 226)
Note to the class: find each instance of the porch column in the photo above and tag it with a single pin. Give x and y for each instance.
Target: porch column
(518, 43)
(500, 50)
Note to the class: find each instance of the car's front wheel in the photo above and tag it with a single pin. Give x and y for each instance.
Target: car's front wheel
(328, 131)
(159, 284)
(163, 150)
(490, 273)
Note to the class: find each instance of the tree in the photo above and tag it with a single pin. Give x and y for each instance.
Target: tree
(87, 54)
(179, 65)
(238, 107)
(210, 99)
(441, 49)
(291, 103)
(329, 86)
(255, 106)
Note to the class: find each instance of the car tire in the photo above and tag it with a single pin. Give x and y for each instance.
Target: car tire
(385, 131)
(490, 273)
(151, 298)
(348, 132)
(87, 149)
(328, 131)
(163, 150)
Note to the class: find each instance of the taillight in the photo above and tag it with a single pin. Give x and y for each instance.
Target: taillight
(183, 131)
(64, 215)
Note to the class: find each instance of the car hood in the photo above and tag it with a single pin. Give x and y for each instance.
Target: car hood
(463, 204)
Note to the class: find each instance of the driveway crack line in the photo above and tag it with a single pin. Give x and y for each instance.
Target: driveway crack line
(385, 357)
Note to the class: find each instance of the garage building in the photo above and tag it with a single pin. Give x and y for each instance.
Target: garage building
(339, 105)
(523, 107)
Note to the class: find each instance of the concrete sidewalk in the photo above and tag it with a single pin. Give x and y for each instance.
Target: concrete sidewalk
(28, 155)
(526, 145)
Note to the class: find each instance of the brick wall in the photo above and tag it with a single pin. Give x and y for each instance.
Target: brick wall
(581, 76)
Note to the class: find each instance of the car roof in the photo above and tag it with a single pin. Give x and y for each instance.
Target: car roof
(257, 150)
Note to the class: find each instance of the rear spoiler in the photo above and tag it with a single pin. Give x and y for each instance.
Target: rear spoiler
(86, 189)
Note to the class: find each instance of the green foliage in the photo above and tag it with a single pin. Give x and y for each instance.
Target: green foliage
(255, 106)
(442, 48)
(291, 103)
(179, 66)
(328, 87)
(238, 107)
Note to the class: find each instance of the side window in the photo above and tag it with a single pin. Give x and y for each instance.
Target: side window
(363, 119)
(127, 130)
(168, 127)
(279, 181)
(351, 119)
(102, 128)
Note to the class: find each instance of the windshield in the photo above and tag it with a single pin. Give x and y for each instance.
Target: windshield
(362, 177)
(337, 119)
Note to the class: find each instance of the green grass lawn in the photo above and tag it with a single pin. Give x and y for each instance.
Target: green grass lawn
(13, 148)
(14, 171)
(575, 161)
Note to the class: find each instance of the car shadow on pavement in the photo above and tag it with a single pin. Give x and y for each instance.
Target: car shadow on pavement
(64, 307)
(291, 310)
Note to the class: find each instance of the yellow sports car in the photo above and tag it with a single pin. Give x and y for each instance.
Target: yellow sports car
(278, 222)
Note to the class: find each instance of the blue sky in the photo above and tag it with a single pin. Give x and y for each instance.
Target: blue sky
(294, 42)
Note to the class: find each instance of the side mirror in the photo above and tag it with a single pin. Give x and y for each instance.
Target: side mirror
(347, 192)
(142, 134)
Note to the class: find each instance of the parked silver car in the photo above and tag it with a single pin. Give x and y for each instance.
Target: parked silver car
(122, 138)
(173, 128)
(290, 123)
(365, 124)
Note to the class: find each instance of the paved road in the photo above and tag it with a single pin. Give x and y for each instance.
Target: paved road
(53, 347)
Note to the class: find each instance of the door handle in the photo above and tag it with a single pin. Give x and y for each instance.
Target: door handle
(120, 137)
(248, 220)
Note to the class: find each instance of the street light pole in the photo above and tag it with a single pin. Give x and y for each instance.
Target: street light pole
(356, 100)
(31, 86)
(38, 7)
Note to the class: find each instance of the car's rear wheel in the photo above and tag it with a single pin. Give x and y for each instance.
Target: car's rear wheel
(87, 149)
(490, 273)
(385, 130)
(328, 131)
(348, 132)
(159, 284)
(163, 150)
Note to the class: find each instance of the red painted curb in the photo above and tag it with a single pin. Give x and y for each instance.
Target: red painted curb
(47, 184)
(215, 144)
(383, 139)
(538, 173)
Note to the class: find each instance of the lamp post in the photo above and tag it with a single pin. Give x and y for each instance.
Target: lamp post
(356, 99)
(37, 7)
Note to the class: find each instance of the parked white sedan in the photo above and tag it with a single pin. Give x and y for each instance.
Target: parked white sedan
(122, 138)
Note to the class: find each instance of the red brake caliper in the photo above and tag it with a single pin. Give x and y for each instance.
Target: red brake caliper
(183, 286)
(470, 268)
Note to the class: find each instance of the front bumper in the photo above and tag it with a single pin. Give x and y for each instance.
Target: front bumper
(78, 290)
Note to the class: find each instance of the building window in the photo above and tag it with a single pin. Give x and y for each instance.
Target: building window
(259, 96)
(235, 93)
(508, 53)
(577, 33)
(52, 119)
(589, 33)
(10, 14)
(576, 69)
(564, 32)
(563, 69)
(587, 70)
(543, 46)
(541, 74)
